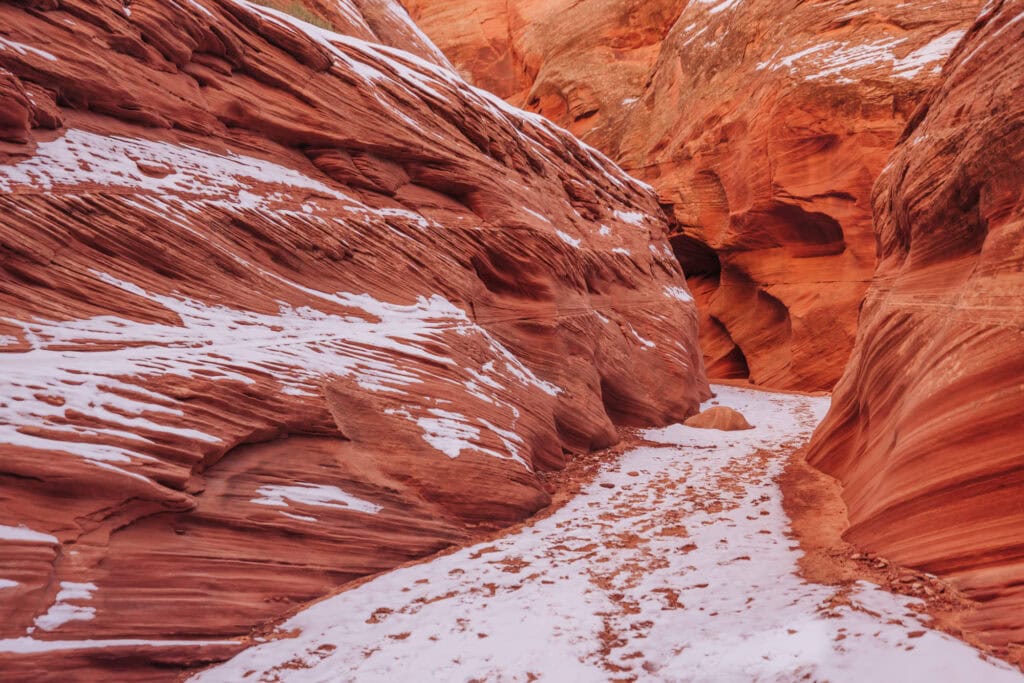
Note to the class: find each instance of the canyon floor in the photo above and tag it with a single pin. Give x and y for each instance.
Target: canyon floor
(674, 562)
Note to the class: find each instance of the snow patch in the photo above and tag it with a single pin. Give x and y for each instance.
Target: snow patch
(26, 645)
(536, 215)
(79, 157)
(678, 293)
(632, 217)
(23, 533)
(21, 49)
(321, 495)
(646, 342)
(839, 61)
(721, 6)
(569, 239)
(62, 611)
(934, 52)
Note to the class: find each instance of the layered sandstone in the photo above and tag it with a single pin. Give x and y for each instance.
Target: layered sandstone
(926, 432)
(762, 124)
(281, 307)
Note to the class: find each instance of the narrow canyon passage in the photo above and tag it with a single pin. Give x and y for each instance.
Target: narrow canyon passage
(674, 563)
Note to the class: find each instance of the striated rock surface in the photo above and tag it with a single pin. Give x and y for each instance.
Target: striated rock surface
(280, 308)
(926, 432)
(762, 124)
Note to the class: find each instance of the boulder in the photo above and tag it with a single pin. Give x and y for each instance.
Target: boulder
(719, 417)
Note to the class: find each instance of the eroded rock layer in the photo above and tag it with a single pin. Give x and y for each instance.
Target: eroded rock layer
(762, 124)
(927, 426)
(281, 307)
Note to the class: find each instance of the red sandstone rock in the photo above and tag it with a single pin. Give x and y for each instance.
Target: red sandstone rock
(762, 124)
(719, 417)
(280, 308)
(926, 431)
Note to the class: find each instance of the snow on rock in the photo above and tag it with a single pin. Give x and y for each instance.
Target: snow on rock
(319, 495)
(932, 465)
(24, 534)
(678, 293)
(762, 124)
(27, 646)
(274, 316)
(62, 610)
(674, 564)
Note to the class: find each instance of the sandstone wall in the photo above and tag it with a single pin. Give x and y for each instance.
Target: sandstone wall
(762, 124)
(927, 426)
(280, 308)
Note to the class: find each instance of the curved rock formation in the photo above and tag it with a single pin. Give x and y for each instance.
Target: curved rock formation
(927, 426)
(281, 308)
(721, 418)
(762, 124)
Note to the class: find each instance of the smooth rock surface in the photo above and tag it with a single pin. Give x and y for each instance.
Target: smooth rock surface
(280, 308)
(722, 418)
(926, 432)
(763, 125)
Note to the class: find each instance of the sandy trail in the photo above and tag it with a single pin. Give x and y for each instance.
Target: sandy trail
(673, 564)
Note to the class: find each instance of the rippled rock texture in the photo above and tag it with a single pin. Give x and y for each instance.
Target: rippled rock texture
(927, 426)
(762, 124)
(281, 307)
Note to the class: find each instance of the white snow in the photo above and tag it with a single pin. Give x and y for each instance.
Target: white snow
(26, 645)
(569, 239)
(424, 79)
(304, 493)
(677, 293)
(452, 433)
(399, 12)
(448, 432)
(297, 346)
(632, 217)
(662, 250)
(840, 61)
(934, 52)
(199, 7)
(80, 157)
(537, 215)
(646, 342)
(23, 533)
(682, 564)
(62, 611)
(720, 6)
(8, 583)
(6, 44)
(71, 368)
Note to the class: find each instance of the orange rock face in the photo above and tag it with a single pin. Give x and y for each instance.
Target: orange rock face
(280, 308)
(927, 426)
(762, 124)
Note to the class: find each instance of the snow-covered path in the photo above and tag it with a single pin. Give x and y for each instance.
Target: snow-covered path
(672, 565)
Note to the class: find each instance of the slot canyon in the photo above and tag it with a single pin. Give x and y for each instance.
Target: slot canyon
(357, 340)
